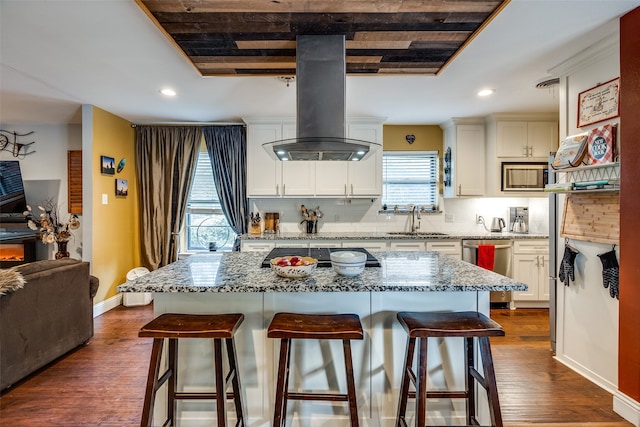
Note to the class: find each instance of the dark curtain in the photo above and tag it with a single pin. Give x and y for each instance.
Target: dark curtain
(227, 148)
(166, 157)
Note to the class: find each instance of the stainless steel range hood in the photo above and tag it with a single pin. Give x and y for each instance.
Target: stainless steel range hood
(321, 110)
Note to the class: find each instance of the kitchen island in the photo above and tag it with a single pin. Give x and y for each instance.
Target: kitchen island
(235, 282)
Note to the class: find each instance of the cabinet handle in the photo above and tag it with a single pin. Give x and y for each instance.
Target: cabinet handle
(351, 190)
(460, 190)
(525, 151)
(284, 189)
(345, 191)
(277, 189)
(531, 151)
(542, 259)
(537, 264)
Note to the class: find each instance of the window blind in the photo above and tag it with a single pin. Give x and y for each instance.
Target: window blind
(410, 178)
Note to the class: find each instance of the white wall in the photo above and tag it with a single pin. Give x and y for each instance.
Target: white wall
(45, 172)
(587, 321)
(363, 214)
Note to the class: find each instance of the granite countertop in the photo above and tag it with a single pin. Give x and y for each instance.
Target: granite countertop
(400, 271)
(382, 235)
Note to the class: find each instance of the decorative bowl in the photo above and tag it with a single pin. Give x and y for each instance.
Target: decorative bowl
(293, 266)
(348, 263)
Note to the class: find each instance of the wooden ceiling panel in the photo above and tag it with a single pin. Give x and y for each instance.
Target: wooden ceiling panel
(230, 37)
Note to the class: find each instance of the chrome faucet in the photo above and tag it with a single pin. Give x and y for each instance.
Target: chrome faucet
(415, 214)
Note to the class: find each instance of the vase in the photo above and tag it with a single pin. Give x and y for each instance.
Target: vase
(62, 249)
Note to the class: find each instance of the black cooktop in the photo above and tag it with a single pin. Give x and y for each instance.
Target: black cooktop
(321, 254)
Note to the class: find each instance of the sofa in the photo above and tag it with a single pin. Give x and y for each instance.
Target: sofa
(45, 316)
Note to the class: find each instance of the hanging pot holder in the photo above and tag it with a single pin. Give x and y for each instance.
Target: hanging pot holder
(610, 272)
(567, 273)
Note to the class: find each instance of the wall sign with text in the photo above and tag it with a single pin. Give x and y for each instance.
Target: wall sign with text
(599, 103)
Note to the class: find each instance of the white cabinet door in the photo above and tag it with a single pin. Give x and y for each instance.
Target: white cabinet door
(542, 138)
(331, 178)
(525, 270)
(326, 244)
(264, 174)
(372, 245)
(512, 139)
(256, 246)
(298, 178)
(407, 246)
(365, 177)
(353, 179)
(470, 160)
(452, 248)
(526, 139)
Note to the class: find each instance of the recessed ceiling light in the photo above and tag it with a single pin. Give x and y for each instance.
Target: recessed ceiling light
(168, 92)
(486, 92)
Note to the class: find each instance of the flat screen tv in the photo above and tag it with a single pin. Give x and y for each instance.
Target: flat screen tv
(12, 198)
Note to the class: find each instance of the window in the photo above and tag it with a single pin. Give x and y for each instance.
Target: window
(410, 178)
(205, 222)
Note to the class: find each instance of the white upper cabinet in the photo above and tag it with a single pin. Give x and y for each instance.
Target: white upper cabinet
(465, 138)
(267, 177)
(526, 139)
(264, 174)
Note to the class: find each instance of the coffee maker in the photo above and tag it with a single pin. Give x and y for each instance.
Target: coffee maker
(519, 220)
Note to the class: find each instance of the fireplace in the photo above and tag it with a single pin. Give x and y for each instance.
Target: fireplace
(17, 251)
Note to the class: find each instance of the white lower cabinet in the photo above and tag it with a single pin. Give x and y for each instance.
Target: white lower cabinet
(256, 246)
(452, 248)
(531, 266)
(409, 245)
(371, 245)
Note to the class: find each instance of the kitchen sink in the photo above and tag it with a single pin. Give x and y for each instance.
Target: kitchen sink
(416, 233)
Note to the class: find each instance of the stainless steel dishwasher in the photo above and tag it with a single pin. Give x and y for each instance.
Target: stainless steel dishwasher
(501, 262)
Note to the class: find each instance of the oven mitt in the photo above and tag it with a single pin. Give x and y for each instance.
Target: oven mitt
(567, 273)
(610, 272)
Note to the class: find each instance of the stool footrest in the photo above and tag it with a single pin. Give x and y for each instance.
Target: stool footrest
(167, 374)
(327, 397)
(201, 396)
(445, 394)
(481, 380)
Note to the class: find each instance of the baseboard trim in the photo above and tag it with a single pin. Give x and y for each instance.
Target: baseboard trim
(587, 373)
(627, 408)
(106, 305)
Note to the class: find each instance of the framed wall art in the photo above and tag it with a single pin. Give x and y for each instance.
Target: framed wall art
(599, 103)
(122, 187)
(107, 165)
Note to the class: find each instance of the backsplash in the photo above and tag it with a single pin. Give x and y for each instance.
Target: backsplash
(362, 215)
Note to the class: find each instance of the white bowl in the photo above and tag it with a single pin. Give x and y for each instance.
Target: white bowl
(294, 271)
(348, 263)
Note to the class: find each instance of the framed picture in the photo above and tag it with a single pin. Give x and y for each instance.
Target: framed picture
(122, 187)
(599, 103)
(107, 165)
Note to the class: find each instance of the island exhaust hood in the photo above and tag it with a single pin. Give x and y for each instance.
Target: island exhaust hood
(321, 111)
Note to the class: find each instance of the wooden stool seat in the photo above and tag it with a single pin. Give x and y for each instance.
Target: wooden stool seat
(288, 326)
(316, 326)
(172, 326)
(468, 325)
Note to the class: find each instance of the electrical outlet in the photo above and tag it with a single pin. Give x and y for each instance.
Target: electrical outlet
(479, 219)
(448, 217)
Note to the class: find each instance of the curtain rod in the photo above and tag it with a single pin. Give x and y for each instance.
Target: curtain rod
(190, 124)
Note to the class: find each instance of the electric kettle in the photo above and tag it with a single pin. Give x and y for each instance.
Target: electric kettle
(497, 224)
(519, 225)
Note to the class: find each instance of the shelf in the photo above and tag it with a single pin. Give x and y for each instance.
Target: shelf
(609, 172)
(585, 167)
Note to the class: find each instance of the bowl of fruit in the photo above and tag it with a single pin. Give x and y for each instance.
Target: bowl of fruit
(294, 266)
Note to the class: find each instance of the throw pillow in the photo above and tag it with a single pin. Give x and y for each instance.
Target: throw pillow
(10, 280)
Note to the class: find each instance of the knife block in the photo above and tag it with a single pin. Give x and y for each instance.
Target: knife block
(255, 228)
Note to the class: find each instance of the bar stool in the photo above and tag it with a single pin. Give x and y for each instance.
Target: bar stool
(178, 326)
(288, 326)
(468, 325)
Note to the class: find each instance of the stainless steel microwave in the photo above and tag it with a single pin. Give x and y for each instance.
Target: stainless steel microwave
(524, 176)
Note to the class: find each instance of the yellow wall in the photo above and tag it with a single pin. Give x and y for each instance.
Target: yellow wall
(428, 138)
(116, 247)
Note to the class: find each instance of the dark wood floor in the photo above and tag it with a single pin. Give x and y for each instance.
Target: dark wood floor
(102, 384)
